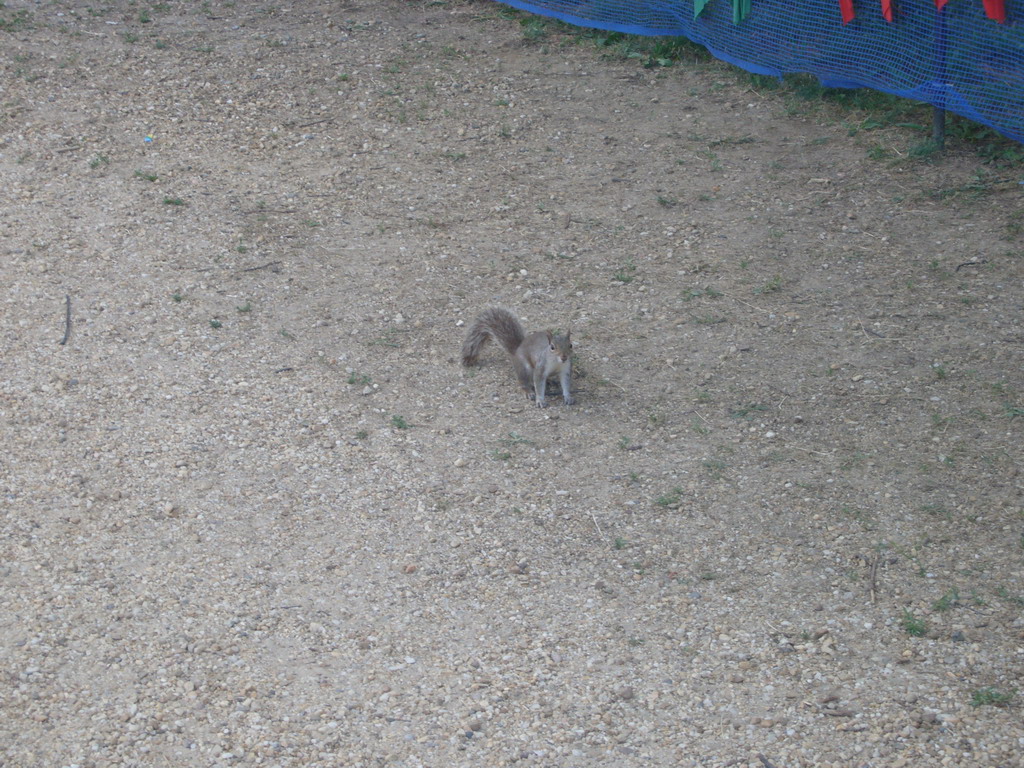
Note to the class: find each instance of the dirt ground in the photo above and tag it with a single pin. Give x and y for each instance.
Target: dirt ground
(255, 513)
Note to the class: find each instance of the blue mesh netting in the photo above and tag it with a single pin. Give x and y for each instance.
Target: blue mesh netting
(957, 58)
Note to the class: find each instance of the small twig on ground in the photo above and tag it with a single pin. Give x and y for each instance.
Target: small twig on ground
(868, 332)
(700, 416)
(765, 761)
(269, 264)
(67, 319)
(971, 264)
(268, 210)
(811, 450)
(744, 303)
(594, 518)
(873, 580)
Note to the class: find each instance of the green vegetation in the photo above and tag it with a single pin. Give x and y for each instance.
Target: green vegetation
(913, 625)
(626, 273)
(672, 498)
(992, 697)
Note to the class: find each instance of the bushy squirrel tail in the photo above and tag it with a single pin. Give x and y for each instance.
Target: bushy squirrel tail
(497, 323)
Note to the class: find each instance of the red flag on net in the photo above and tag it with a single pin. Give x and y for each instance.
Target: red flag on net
(994, 9)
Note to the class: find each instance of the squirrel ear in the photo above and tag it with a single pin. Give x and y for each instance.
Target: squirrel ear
(550, 337)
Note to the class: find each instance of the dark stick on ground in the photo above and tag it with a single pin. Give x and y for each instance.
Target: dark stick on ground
(67, 319)
(271, 264)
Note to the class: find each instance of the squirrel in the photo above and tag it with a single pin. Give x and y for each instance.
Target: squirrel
(536, 356)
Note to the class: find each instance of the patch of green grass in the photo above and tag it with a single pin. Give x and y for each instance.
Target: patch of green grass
(1013, 411)
(853, 461)
(992, 697)
(765, 82)
(671, 498)
(619, 543)
(878, 152)
(698, 293)
(514, 438)
(729, 141)
(17, 20)
(1005, 594)
(650, 52)
(925, 150)
(949, 600)
(145, 176)
(993, 148)
(389, 339)
(499, 455)
(747, 411)
(399, 422)
(626, 273)
(215, 323)
(938, 510)
(771, 286)
(173, 201)
(177, 298)
(716, 163)
(984, 183)
(359, 379)
(247, 307)
(99, 160)
(913, 625)
(863, 517)
(362, 434)
(715, 467)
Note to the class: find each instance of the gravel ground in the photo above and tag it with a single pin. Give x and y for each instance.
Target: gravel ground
(254, 513)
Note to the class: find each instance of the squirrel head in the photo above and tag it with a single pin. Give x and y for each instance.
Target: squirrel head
(560, 345)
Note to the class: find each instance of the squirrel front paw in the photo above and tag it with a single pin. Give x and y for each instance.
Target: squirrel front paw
(569, 399)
